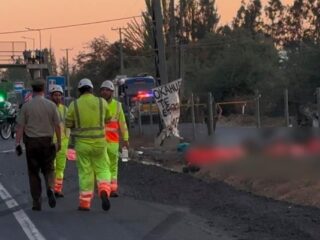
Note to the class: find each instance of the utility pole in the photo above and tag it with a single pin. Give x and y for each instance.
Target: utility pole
(160, 53)
(68, 75)
(257, 99)
(172, 42)
(121, 48)
(181, 66)
(318, 105)
(286, 107)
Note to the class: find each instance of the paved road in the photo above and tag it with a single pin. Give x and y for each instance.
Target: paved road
(128, 218)
(154, 204)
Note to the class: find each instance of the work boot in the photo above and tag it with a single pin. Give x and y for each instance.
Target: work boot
(51, 198)
(114, 194)
(36, 206)
(105, 201)
(59, 194)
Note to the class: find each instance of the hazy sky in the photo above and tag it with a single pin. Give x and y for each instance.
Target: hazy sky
(18, 14)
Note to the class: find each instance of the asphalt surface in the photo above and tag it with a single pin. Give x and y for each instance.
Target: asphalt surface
(154, 203)
(128, 218)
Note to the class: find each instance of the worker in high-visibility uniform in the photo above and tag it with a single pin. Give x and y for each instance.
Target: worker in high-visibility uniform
(56, 93)
(117, 122)
(86, 117)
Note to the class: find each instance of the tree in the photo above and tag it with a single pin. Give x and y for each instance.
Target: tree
(101, 60)
(239, 20)
(191, 20)
(63, 67)
(249, 16)
(233, 65)
(314, 20)
(298, 18)
(207, 18)
(52, 62)
(275, 22)
(302, 70)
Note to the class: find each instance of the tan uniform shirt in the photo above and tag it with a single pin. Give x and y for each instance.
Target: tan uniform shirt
(39, 117)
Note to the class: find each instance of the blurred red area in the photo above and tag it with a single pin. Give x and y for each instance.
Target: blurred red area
(289, 144)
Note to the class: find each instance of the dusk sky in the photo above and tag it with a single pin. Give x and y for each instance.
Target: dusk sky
(17, 15)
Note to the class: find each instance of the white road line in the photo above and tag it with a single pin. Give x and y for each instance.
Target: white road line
(26, 224)
(11, 150)
(6, 197)
(8, 151)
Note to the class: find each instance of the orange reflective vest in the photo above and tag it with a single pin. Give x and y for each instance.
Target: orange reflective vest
(117, 122)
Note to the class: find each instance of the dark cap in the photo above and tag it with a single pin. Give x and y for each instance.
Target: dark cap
(37, 82)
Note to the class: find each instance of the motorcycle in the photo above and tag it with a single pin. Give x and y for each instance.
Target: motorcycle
(8, 116)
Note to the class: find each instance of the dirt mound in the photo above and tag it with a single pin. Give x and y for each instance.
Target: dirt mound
(292, 180)
(239, 214)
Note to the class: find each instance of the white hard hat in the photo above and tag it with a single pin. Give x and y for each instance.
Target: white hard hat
(85, 82)
(107, 84)
(56, 88)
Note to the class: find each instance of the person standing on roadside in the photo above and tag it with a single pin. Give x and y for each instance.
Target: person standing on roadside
(37, 122)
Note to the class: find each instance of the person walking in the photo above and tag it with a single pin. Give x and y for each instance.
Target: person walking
(56, 93)
(36, 124)
(116, 123)
(86, 118)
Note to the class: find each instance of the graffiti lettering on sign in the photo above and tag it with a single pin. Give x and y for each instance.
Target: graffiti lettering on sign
(167, 99)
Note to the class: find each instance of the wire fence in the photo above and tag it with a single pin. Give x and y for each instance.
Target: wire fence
(201, 116)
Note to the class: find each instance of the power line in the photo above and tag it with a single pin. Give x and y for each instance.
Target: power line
(71, 25)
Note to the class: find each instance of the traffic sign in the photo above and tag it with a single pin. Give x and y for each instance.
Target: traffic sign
(18, 86)
(56, 80)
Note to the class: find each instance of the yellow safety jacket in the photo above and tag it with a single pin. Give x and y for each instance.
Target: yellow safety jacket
(62, 112)
(86, 117)
(117, 121)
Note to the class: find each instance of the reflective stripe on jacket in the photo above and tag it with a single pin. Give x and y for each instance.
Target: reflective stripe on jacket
(62, 110)
(62, 113)
(87, 116)
(117, 122)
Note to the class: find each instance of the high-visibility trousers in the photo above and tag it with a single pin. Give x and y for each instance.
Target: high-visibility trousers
(92, 164)
(60, 165)
(113, 154)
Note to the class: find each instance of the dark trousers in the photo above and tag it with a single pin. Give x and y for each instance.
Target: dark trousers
(40, 154)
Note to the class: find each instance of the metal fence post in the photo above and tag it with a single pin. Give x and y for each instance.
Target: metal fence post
(210, 117)
(318, 105)
(139, 118)
(129, 120)
(257, 98)
(126, 101)
(286, 107)
(193, 118)
(150, 113)
(214, 114)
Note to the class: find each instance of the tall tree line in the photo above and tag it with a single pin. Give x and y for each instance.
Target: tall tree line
(266, 47)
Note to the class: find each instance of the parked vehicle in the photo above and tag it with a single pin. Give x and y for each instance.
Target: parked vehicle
(135, 93)
(8, 114)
